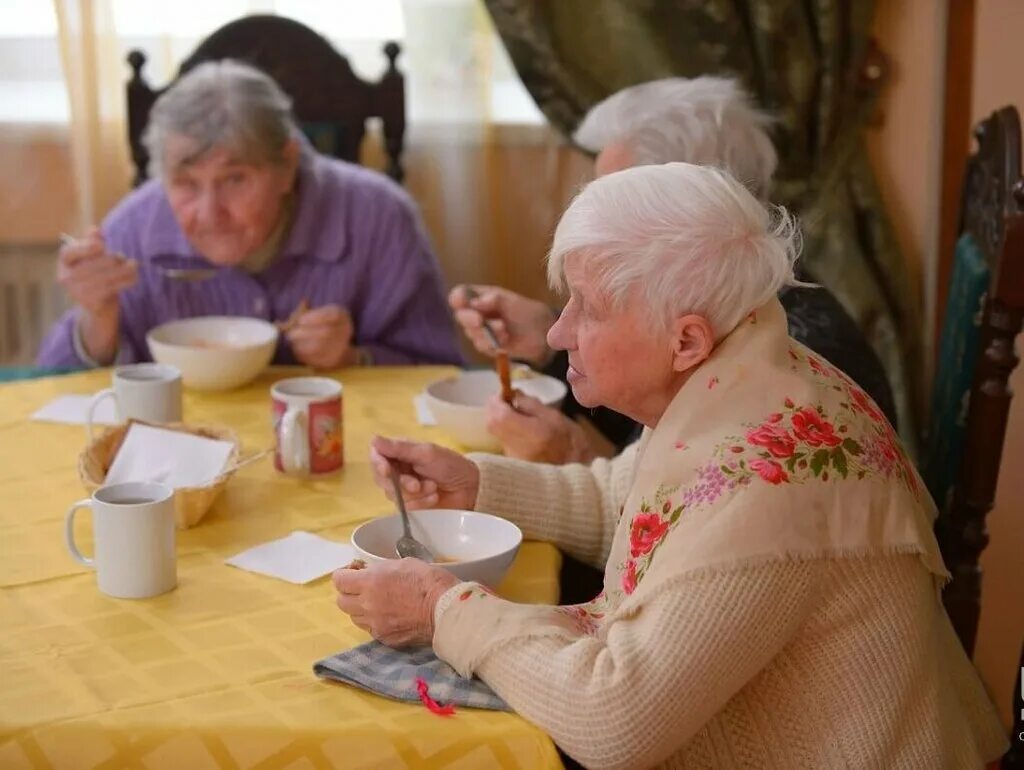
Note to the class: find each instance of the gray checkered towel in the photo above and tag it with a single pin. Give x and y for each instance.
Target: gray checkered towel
(392, 673)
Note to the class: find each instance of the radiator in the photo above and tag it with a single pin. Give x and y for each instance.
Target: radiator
(30, 300)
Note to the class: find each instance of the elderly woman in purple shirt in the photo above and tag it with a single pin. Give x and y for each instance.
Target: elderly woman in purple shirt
(237, 189)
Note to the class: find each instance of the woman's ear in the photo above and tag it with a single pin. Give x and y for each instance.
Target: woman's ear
(692, 342)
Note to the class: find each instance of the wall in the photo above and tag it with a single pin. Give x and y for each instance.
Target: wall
(998, 82)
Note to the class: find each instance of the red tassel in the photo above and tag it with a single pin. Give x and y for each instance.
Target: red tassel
(432, 705)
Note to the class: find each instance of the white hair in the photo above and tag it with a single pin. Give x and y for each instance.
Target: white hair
(705, 120)
(223, 104)
(681, 239)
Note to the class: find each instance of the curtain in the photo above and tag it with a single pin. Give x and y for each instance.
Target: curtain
(94, 74)
(812, 65)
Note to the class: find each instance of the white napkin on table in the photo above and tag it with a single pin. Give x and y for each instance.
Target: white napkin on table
(169, 457)
(71, 409)
(423, 414)
(298, 558)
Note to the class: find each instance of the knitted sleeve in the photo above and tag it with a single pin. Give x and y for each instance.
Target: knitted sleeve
(576, 507)
(669, 659)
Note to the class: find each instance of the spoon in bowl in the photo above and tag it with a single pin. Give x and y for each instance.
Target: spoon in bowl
(407, 546)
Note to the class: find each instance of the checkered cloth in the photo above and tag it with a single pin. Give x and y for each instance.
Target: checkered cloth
(392, 673)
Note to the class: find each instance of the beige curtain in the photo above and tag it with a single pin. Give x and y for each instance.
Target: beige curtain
(490, 192)
(95, 75)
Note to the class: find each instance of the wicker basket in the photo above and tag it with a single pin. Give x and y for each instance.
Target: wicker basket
(190, 503)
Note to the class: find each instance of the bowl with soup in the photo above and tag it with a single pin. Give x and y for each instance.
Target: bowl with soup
(215, 352)
(471, 545)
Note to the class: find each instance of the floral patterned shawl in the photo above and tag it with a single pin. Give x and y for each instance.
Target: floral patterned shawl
(766, 453)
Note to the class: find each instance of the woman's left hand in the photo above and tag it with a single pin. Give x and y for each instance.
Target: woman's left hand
(393, 600)
(322, 337)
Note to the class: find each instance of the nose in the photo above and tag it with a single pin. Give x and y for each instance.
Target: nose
(208, 207)
(561, 335)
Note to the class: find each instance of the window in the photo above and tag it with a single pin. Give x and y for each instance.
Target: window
(457, 70)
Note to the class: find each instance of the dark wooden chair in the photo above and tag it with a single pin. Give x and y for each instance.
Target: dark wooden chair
(992, 246)
(330, 102)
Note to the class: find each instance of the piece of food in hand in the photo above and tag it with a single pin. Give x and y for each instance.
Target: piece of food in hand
(355, 564)
(501, 361)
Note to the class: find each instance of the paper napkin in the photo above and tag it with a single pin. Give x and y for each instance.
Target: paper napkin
(72, 409)
(167, 456)
(298, 558)
(423, 413)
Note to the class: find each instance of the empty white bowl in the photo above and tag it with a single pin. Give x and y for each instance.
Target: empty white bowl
(470, 545)
(457, 403)
(215, 352)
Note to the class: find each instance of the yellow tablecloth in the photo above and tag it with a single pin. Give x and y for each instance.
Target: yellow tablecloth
(217, 673)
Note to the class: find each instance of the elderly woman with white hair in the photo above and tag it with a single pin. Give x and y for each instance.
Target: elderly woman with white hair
(705, 120)
(771, 578)
(286, 233)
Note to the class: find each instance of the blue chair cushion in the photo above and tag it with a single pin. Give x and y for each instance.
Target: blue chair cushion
(958, 352)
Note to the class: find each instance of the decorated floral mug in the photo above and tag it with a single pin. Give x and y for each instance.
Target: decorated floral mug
(307, 414)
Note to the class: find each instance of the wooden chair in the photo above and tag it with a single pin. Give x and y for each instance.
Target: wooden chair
(330, 102)
(992, 247)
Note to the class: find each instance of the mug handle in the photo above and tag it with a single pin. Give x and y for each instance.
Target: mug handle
(105, 393)
(294, 441)
(69, 533)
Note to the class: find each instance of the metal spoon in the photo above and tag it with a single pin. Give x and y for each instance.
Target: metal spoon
(174, 273)
(190, 274)
(407, 545)
(472, 294)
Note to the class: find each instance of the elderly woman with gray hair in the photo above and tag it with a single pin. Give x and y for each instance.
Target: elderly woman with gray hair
(770, 574)
(237, 190)
(705, 120)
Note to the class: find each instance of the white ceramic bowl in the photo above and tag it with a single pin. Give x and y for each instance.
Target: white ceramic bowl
(481, 547)
(457, 403)
(215, 352)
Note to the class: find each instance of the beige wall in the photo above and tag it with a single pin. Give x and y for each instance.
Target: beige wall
(998, 81)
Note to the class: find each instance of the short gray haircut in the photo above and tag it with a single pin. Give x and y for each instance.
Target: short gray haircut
(223, 104)
(679, 238)
(705, 120)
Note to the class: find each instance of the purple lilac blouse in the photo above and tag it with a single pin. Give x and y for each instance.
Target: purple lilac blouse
(356, 241)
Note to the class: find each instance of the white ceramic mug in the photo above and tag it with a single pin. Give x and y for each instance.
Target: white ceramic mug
(149, 392)
(133, 536)
(307, 413)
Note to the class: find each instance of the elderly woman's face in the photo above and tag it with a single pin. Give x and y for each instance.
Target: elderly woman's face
(227, 209)
(616, 359)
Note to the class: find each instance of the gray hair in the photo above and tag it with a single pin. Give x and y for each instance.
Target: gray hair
(221, 104)
(679, 238)
(705, 120)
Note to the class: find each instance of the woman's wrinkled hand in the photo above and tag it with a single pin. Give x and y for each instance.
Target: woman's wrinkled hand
(93, 279)
(393, 600)
(431, 476)
(535, 432)
(519, 323)
(92, 276)
(322, 337)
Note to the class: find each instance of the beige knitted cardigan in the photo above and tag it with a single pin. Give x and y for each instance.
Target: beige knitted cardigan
(771, 586)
